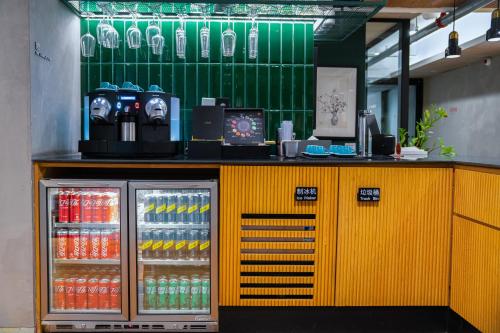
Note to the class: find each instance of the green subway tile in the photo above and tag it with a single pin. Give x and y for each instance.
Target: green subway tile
(275, 43)
(241, 35)
(107, 73)
(287, 43)
(299, 125)
(215, 42)
(179, 76)
(274, 124)
(287, 91)
(309, 124)
(118, 74)
(130, 72)
(309, 40)
(166, 31)
(190, 93)
(251, 86)
(266, 122)
(298, 88)
(275, 88)
(263, 56)
(203, 81)
(142, 76)
(227, 81)
(215, 81)
(166, 82)
(94, 76)
(263, 91)
(298, 43)
(191, 42)
(119, 53)
(155, 76)
(143, 52)
(309, 88)
(287, 115)
(239, 86)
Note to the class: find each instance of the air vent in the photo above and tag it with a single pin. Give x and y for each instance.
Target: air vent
(102, 327)
(64, 327)
(198, 327)
(157, 327)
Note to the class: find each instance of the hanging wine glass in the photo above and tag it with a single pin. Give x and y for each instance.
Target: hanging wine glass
(205, 39)
(134, 35)
(253, 41)
(180, 39)
(102, 30)
(228, 40)
(152, 30)
(87, 43)
(158, 44)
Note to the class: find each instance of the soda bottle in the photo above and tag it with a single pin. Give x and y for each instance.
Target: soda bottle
(204, 244)
(59, 298)
(63, 204)
(182, 206)
(150, 293)
(62, 244)
(86, 206)
(75, 206)
(160, 208)
(97, 202)
(149, 208)
(193, 209)
(204, 208)
(162, 301)
(193, 244)
(84, 243)
(180, 244)
(157, 247)
(195, 293)
(173, 292)
(171, 208)
(103, 297)
(93, 293)
(205, 292)
(69, 291)
(115, 294)
(73, 244)
(95, 244)
(105, 241)
(146, 243)
(184, 293)
(168, 244)
(81, 293)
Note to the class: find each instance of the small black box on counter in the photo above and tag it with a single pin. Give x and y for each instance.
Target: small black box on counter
(246, 152)
(204, 150)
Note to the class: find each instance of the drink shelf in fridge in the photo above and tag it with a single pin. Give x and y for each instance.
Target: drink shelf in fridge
(85, 311)
(173, 226)
(176, 312)
(87, 261)
(87, 225)
(164, 262)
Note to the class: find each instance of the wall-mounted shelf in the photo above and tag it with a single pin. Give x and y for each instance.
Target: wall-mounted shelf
(335, 19)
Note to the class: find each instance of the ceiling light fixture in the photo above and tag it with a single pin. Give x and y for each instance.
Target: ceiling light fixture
(453, 50)
(493, 34)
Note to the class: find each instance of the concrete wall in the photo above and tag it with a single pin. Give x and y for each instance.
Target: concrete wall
(55, 84)
(472, 97)
(16, 232)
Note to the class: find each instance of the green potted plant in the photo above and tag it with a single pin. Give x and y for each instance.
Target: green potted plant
(424, 130)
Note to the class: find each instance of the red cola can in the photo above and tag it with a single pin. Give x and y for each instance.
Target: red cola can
(114, 245)
(69, 291)
(81, 293)
(75, 201)
(86, 207)
(73, 244)
(93, 293)
(115, 293)
(63, 204)
(59, 297)
(97, 202)
(95, 244)
(62, 244)
(84, 243)
(110, 206)
(105, 244)
(103, 298)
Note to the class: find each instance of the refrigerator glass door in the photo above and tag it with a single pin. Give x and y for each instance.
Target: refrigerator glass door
(174, 251)
(82, 236)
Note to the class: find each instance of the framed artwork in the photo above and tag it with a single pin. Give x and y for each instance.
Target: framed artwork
(335, 109)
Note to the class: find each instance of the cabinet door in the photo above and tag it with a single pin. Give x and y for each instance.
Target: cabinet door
(394, 252)
(274, 250)
(475, 274)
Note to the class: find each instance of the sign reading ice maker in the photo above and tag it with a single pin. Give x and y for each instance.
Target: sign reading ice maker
(368, 194)
(306, 193)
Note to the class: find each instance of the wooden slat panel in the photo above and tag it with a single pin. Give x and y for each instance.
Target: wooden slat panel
(277, 233)
(278, 245)
(475, 274)
(276, 279)
(274, 256)
(277, 291)
(270, 190)
(395, 252)
(477, 195)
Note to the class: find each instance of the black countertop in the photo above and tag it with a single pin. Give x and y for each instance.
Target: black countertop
(275, 160)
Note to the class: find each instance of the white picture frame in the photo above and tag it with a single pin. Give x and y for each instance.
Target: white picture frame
(335, 108)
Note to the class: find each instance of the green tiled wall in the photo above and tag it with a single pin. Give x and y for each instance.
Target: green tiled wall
(280, 80)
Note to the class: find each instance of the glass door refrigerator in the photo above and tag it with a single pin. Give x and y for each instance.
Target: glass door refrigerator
(84, 266)
(173, 254)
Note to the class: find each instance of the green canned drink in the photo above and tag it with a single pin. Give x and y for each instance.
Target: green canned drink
(184, 293)
(195, 293)
(150, 293)
(173, 293)
(161, 301)
(205, 293)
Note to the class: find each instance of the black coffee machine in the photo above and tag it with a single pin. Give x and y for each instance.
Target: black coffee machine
(129, 122)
